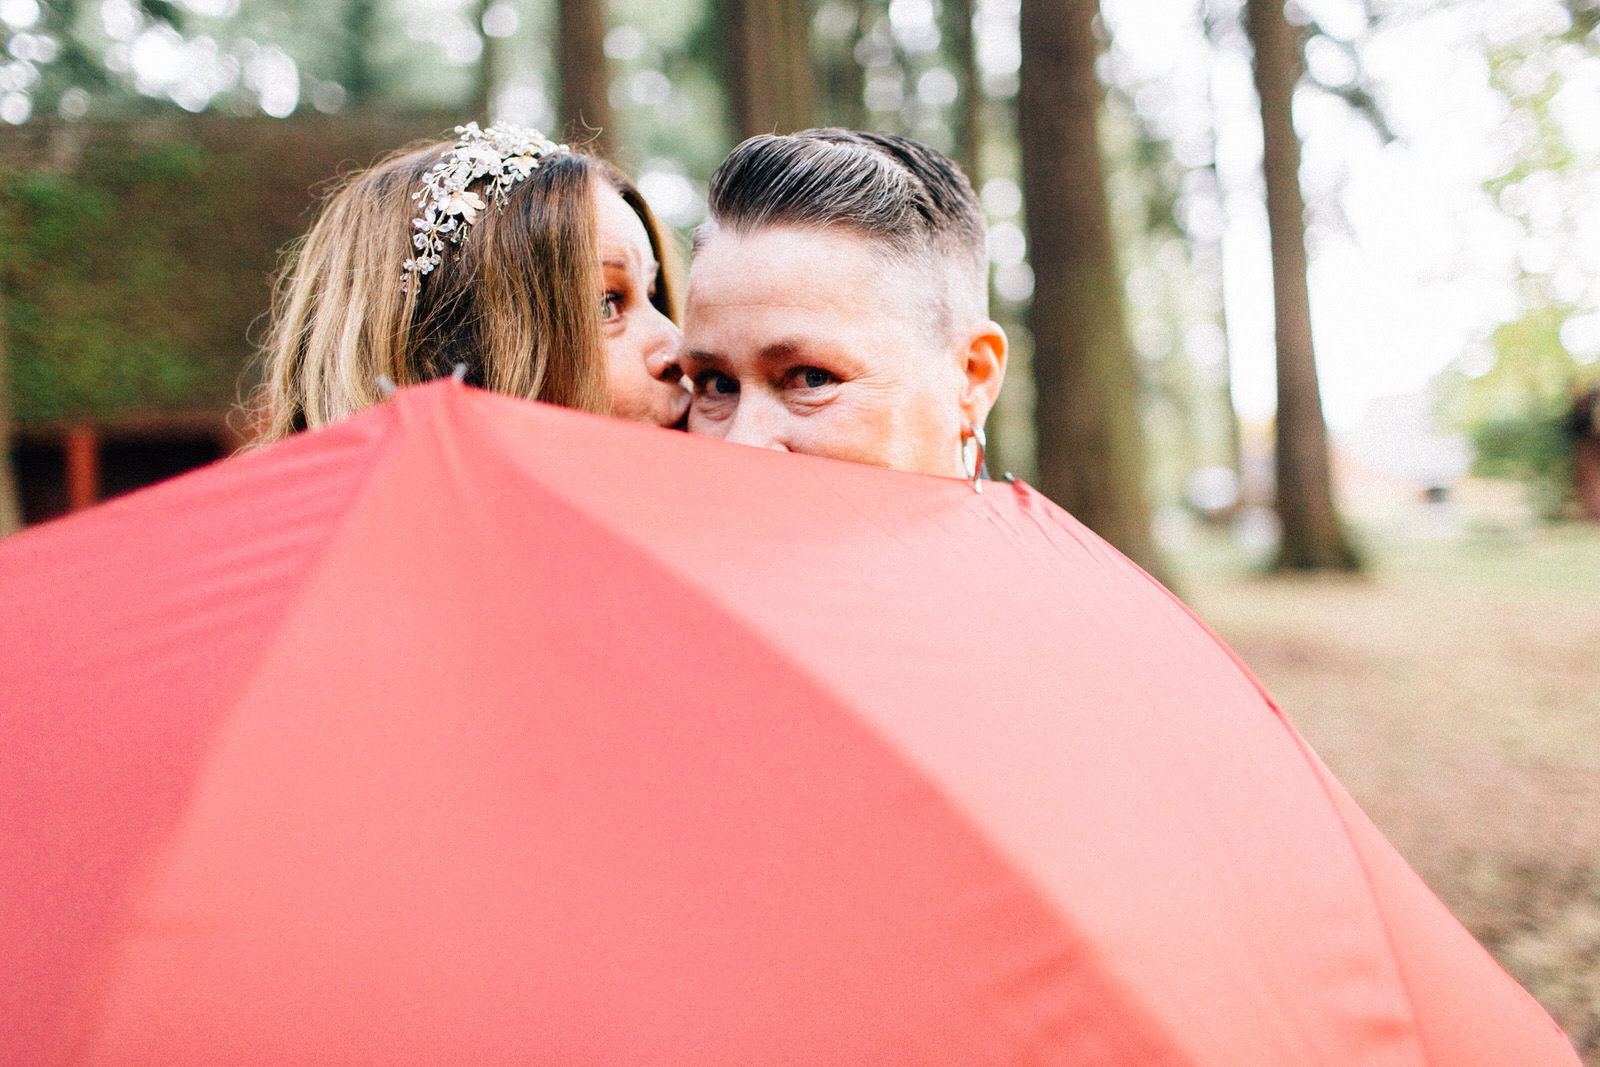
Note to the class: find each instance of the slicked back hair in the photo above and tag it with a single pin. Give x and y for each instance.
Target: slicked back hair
(906, 200)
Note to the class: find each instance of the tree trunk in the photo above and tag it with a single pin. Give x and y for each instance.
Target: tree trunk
(770, 80)
(1214, 259)
(1313, 538)
(969, 98)
(357, 75)
(840, 79)
(488, 69)
(10, 503)
(1091, 445)
(1208, 260)
(1230, 413)
(585, 104)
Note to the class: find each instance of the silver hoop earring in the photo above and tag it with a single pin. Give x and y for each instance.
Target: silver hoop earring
(973, 446)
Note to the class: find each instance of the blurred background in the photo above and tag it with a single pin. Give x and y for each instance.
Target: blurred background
(1304, 300)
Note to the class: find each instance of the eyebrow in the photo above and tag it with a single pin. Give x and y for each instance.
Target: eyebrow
(778, 351)
(651, 267)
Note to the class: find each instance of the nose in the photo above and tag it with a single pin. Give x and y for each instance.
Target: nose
(661, 356)
(757, 421)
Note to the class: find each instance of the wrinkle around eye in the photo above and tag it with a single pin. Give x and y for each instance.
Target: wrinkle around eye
(810, 378)
(707, 383)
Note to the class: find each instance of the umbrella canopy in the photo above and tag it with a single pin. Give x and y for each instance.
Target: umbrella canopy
(477, 731)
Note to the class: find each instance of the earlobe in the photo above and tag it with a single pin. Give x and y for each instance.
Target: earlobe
(983, 367)
(973, 446)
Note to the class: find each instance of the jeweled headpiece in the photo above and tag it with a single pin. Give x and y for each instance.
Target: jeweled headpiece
(504, 155)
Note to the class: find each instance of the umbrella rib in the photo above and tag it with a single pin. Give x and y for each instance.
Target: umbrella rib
(1312, 764)
(381, 451)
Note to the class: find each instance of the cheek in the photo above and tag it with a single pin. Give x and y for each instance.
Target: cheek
(921, 424)
(865, 424)
(623, 359)
(938, 411)
(626, 379)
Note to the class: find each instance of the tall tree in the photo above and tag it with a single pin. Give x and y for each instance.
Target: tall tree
(490, 61)
(585, 103)
(1313, 538)
(840, 76)
(356, 72)
(968, 125)
(1091, 445)
(770, 81)
(1209, 249)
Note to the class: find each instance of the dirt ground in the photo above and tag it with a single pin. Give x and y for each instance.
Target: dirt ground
(1455, 690)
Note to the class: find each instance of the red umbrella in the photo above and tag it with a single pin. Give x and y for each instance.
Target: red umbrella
(476, 731)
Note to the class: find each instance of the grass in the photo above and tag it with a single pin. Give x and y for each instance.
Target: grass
(1455, 690)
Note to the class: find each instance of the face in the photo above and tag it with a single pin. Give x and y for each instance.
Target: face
(808, 341)
(641, 344)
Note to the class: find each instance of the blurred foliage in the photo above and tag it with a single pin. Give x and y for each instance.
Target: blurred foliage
(1514, 404)
(1162, 210)
(667, 89)
(1535, 449)
(892, 65)
(162, 332)
(87, 261)
(135, 258)
(1516, 413)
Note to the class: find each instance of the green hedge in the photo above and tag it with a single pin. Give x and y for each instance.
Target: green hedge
(135, 260)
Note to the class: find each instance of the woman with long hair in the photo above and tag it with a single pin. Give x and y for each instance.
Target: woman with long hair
(519, 264)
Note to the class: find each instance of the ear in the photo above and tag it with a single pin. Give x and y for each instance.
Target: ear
(982, 362)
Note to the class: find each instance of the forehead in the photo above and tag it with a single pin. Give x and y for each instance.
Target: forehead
(798, 273)
(618, 227)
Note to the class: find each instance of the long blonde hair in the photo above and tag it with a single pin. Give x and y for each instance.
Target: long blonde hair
(517, 302)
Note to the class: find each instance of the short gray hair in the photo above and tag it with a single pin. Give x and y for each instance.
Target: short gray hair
(901, 196)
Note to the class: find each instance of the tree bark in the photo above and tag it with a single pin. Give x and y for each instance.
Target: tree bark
(1090, 443)
(771, 84)
(969, 99)
(357, 74)
(585, 103)
(1214, 258)
(490, 62)
(1209, 260)
(840, 79)
(1313, 538)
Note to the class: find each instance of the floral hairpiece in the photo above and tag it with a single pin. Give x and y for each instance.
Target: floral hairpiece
(503, 154)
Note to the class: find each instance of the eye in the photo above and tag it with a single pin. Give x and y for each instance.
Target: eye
(810, 378)
(610, 307)
(715, 383)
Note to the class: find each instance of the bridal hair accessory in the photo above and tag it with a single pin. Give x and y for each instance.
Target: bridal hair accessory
(503, 154)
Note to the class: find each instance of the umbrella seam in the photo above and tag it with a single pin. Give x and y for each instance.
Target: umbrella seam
(996, 1022)
(318, 560)
(930, 781)
(825, 686)
(1307, 761)
(92, 999)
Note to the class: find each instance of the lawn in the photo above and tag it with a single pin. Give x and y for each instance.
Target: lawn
(1455, 690)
